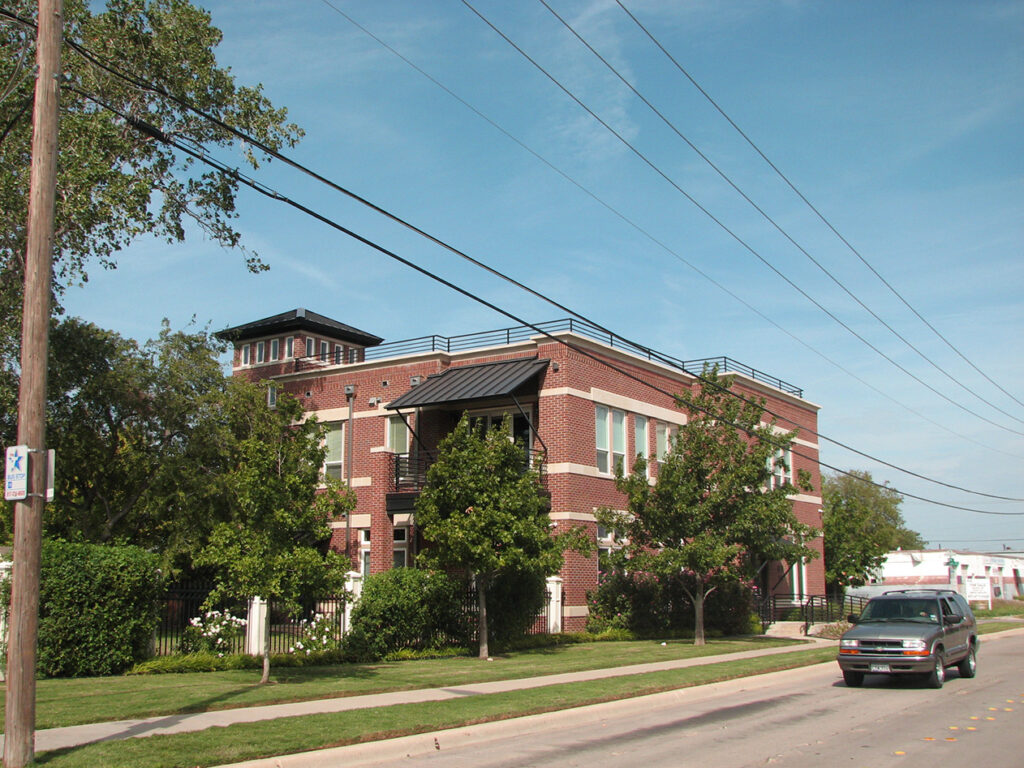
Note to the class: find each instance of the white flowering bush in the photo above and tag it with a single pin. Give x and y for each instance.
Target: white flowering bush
(213, 632)
(319, 633)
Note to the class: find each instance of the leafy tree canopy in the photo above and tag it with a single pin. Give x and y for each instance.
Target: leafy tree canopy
(113, 183)
(483, 511)
(712, 511)
(862, 523)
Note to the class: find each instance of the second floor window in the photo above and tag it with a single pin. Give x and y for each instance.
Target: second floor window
(640, 438)
(781, 467)
(610, 438)
(334, 442)
(398, 435)
(289, 347)
(261, 352)
(275, 349)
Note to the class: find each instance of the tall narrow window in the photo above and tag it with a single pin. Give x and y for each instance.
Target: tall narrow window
(275, 349)
(261, 351)
(640, 438)
(364, 551)
(601, 438)
(324, 348)
(333, 458)
(400, 549)
(310, 347)
(289, 347)
(246, 352)
(398, 435)
(781, 467)
(339, 357)
(663, 441)
(272, 395)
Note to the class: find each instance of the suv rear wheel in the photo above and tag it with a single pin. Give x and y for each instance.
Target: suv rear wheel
(853, 679)
(968, 667)
(938, 674)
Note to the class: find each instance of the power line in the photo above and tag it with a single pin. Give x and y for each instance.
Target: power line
(725, 177)
(204, 157)
(274, 153)
(810, 205)
(722, 225)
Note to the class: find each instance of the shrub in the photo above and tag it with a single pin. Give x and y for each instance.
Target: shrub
(513, 602)
(97, 608)
(406, 608)
(214, 632)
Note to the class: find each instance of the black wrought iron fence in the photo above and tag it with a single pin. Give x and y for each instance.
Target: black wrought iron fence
(183, 620)
(317, 627)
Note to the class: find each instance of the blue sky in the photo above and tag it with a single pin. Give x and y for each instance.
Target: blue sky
(901, 122)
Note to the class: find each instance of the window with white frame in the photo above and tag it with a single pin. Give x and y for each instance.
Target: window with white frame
(334, 442)
(339, 354)
(275, 349)
(272, 395)
(398, 435)
(289, 347)
(310, 346)
(325, 348)
(246, 354)
(261, 351)
(781, 467)
(400, 550)
(662, 441)
(364, 551)
(640, 439)
(610, 438)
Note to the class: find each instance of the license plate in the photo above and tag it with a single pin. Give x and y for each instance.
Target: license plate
(880, 668)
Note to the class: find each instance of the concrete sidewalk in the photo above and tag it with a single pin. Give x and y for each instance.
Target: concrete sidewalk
(59, 738)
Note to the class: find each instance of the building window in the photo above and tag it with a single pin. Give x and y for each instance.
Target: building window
(400, 551)
(310, 347)
(272, 395)
(339, 356)
(640, 439)
(333, 458)
(261, 352)
(275, 349)
(781, 468)
(324, 351)
(364, 551)
(289, 347)
(610, 438)
(246, 352)
(398, 435)
(353, 355)
(663, 441)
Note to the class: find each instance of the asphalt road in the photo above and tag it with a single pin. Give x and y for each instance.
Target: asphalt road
(795, 719)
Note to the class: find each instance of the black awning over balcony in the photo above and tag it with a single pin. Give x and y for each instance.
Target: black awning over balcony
(466, 383)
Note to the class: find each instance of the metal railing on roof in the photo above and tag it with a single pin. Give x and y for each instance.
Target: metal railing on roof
(506, 336)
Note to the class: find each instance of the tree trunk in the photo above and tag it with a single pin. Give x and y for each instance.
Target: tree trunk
(266, 665)
(698, 615)
(481, 596)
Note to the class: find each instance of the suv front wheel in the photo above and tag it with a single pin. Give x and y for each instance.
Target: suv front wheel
(853, 679)
(938, 674)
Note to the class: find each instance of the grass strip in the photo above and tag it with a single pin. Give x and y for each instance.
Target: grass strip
(248, 741)
(65, 702)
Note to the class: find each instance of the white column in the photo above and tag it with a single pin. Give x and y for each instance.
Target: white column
(257, 628)
(554, 604)
(354, 588)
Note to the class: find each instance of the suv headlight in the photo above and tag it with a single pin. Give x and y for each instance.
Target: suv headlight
(849, 644)
(915, 645)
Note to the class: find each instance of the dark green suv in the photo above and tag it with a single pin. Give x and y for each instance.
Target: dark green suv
(911, 631)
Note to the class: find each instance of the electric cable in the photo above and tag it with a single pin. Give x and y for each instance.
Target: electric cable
(811, 206)
(722, 225)
(767, 217)
(202, 156)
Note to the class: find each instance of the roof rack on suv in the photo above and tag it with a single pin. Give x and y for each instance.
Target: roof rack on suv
(905, 591)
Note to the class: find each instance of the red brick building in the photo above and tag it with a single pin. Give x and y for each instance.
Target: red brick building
(578, 396)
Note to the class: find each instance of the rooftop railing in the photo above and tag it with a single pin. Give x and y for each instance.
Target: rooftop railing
(507, 336)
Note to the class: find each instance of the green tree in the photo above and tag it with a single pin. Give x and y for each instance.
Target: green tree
(482, 511)
(274, 543)
(712, 511)
(862, 523)
(115, 184)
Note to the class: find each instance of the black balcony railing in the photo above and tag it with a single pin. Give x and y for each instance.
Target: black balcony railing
(409, 472)
(506, 336)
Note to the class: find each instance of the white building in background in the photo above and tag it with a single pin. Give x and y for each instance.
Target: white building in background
(1002, 574)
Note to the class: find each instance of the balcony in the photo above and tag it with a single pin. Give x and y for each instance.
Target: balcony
(409, 472)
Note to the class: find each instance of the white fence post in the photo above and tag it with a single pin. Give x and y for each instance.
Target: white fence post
(554, 604)
(257, 628)
(354, 587)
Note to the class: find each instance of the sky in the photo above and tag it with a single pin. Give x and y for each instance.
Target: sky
(901, 123)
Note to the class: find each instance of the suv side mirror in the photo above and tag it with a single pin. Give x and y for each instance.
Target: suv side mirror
(952, 618)
(852, 618)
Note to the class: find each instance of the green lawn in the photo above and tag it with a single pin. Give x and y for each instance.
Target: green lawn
(249, 741)
(77, 701)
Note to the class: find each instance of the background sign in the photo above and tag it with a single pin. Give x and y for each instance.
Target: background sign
(16, 473)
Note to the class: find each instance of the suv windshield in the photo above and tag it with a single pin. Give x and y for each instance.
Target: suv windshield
(901, 610)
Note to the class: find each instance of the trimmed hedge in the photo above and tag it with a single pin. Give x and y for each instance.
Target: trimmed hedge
(97, 608)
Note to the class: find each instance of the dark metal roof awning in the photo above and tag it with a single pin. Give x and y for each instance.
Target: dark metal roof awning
(465, 383)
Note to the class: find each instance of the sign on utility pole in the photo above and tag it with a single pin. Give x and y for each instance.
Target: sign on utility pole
(16, 473)
(20, 714)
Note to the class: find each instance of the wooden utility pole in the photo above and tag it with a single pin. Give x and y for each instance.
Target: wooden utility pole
(19, 733)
